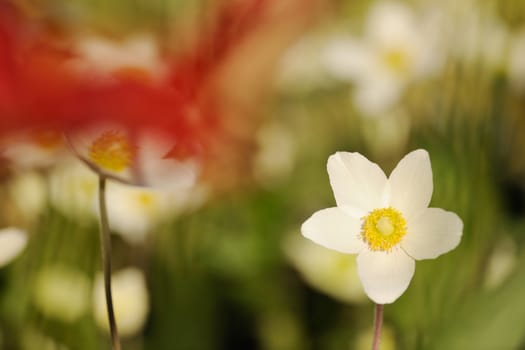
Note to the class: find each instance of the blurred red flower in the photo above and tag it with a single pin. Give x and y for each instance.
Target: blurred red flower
(195, 102)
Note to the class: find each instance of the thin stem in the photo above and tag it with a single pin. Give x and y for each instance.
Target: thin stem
(105, 241)
(378, 324)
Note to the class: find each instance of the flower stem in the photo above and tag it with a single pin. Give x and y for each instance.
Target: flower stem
(105, 241)
(378, 324)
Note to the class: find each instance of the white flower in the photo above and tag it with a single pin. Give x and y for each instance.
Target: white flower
(73, 190)
(34, 148)
(28, 192)
(397, 48)
(329, 271)
(136, 211)
(139, 157)
(12, 242)
(130, 301)
(385, 221)
(61, 293)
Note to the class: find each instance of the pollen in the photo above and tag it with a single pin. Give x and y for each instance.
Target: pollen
(383, 229)
(112, 151)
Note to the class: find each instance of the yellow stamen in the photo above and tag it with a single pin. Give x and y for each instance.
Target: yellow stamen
(383, 228)
(111, 151)
(397, 60)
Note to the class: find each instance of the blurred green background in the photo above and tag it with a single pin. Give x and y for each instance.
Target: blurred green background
(231, 271)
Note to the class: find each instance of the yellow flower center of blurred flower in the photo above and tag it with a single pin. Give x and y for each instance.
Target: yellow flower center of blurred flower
(383, 228)
(397, 60)
(111, 151)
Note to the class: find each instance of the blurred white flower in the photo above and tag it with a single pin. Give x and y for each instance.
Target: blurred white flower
(516, 65)
(61, 293)
(385, 221)
(397, 49)
(33, 149)
(12, 242)
(477, 38)
(28, 191)
(130, 301)
(501, 263)
(135, 211)
(140, 157)
(331, 272)
(138, 55)
(73, 190)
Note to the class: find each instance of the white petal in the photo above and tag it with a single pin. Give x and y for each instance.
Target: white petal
(411, 183)
(12, 242)
(333, 228)
(347, 59)
(431, 233)
(385, 275)
(356, 181)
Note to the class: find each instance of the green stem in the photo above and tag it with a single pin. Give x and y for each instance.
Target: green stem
(105, 241)
(378, 324)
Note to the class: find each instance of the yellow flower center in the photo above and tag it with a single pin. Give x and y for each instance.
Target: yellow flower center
(383, 228)
(111, 151)
(397, 60)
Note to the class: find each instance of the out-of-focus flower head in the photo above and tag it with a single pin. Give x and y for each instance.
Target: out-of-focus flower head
(12, 242)
(329, 271)
(131, 301)
(398, 48)
(136, 211)
(61, 293)
(28, 192)
(73, 190)
(135, 156)
(476, 37)
(33, 149)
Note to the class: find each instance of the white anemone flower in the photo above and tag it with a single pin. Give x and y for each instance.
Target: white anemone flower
(136, 211)
(73, 190)
(130, 301)
(397, 48)
(385, 221)
(12, 242)
(61, 293)
(137, 157)
(33, 149)
(328, 271)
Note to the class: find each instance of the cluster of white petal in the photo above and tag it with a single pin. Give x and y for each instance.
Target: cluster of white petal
(397, 48)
